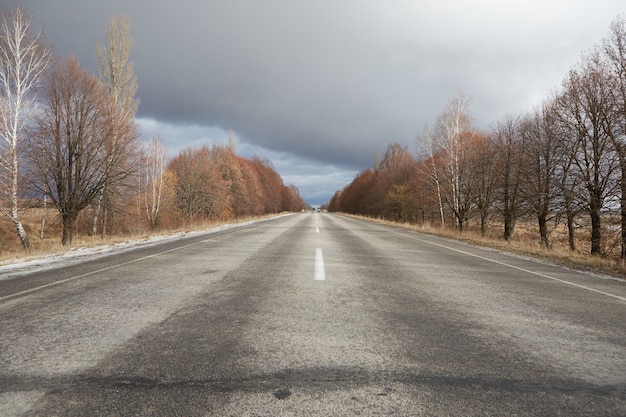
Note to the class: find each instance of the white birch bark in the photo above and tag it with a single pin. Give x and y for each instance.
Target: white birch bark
(154, 171)
(23, 61)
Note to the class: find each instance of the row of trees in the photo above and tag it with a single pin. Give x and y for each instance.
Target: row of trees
(566, 159)
(69, 137)
(215, 182)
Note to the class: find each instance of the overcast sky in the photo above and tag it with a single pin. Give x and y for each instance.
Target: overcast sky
(321, 86)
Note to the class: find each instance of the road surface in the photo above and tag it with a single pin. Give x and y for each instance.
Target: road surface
(312, 314)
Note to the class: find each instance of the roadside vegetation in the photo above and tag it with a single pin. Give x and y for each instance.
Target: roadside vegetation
(74, 169)
(523, 243)
(548, 183)
(49, 244)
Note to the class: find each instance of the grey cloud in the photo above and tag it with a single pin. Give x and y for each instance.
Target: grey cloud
(334, 81)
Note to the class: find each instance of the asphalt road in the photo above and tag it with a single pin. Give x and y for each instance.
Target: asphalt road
(312, 315)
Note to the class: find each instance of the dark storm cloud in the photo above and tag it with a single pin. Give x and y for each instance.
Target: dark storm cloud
(334, 81)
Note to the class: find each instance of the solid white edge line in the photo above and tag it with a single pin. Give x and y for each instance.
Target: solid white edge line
(52, 284)
(562, 281)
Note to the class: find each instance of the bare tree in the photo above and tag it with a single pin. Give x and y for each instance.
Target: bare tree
(614, 51)
(483, 176)
(508, 143)
(427, 142)
(394, 176)
(271, 184)
(23, 60)
(154, 170)
(569, 186)
(117, 76)
(200, 191)
(452, 128)
(541, 165)
(253, 185)
(230, 170)
(68, 147)
(582, 111)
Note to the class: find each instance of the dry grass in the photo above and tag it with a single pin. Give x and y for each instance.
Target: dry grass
(525, 242)
(11, 249)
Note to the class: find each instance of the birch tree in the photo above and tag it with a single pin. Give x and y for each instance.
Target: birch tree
(154, 170)
(452, 126)
(118, 78)
(427, 142)
(23, 61)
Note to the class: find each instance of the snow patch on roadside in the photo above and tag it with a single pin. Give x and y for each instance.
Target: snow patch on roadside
(17, 267)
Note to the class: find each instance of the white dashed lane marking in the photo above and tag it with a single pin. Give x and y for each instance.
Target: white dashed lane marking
(320, 274)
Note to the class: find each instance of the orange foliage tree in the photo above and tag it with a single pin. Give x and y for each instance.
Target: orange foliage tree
(216, 183)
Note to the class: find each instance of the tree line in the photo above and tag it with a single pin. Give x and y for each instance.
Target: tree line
(563, 163)
(68, 139)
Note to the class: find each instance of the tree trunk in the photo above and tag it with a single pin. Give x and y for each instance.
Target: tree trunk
(509, 224)
(462, 217)
(43, 218)
(21, 232)
(483, 223)
(68, 228)
(623, 208)
(571, 230)
(596, 232)
(96, 214)
(441, 215)
(104, 221)
(459, 221)
(543, 229)
(508, 230)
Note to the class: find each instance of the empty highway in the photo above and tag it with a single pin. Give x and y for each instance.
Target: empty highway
(312, 314)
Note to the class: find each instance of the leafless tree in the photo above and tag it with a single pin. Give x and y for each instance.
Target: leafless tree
(117, 76)
(582, 111)
(508, 145)
(200, 191)
(541, 165)
(427, 142)
(451, 129)
(154, 170)
(67, 149)
(230, 170)
(613, 50)
(569, 186)
(271, 184)
(483, 177)
(23, 61)
(395, 173)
